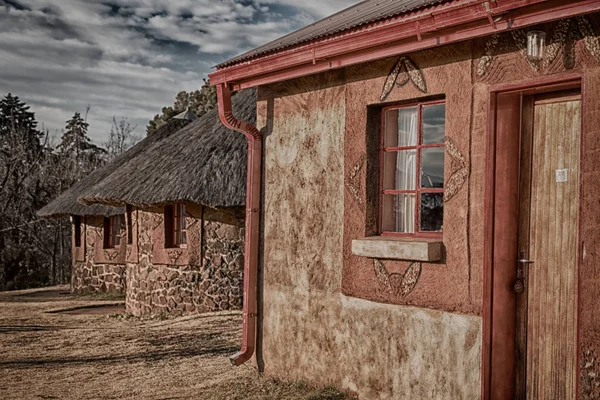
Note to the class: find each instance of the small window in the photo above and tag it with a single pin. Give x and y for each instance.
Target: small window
(129, 210)
(77, 230)
(412, 179)
(175, 226)
(113, 226)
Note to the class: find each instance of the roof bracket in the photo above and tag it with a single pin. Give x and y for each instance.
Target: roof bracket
(486, 5)
(417, 27)
(314, 58)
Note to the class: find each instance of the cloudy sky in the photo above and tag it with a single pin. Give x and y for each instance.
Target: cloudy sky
(128, 58)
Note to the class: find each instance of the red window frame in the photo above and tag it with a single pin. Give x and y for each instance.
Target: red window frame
(77, 230)
(112, 232)
(175, 226)
(418, 189)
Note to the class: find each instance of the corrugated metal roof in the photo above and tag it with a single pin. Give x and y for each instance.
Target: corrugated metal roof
(362, 13)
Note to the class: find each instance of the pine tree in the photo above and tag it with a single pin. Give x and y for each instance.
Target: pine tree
(74, 140)
(77, 152)
(198, 101)
(15, 118)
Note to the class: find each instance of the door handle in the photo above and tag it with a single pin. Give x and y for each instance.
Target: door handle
(525, 261)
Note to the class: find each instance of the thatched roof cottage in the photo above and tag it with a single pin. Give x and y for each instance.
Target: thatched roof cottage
(185, 198)
(98, 256)
(430, 223)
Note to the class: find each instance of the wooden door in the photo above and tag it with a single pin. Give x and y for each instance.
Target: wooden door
(546, 328)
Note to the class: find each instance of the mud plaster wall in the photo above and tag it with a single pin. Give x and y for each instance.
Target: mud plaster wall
(310, 330)
(318, 197)
(205, 276)
(91, 273)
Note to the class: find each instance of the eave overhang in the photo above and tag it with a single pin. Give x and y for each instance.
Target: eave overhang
(441, 25)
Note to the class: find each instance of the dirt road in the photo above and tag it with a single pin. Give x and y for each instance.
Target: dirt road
(52, 349)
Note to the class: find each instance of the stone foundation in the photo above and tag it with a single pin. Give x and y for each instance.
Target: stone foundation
(87, 278)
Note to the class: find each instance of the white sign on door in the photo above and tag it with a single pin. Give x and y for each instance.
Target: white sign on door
(562, 175)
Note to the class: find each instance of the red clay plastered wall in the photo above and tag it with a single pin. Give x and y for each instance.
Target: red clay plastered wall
(310, 330)
(446, 73)
(323, 314)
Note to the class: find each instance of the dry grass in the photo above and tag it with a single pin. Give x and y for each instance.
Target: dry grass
(87, 354)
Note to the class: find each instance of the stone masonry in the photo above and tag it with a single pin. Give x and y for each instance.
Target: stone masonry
(91, 273)
(206, 276)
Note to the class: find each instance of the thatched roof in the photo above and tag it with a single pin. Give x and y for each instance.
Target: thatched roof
(203, 163)
(67, 204)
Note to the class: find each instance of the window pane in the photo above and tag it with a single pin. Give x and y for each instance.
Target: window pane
(399, 170)
(398, 214)
(434, 123)
(432, 212)
(432, 167)
(401, 127)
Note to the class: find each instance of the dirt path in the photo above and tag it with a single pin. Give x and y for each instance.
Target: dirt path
(98, 353)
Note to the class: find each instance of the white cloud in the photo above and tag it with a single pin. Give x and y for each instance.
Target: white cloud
(130, 57)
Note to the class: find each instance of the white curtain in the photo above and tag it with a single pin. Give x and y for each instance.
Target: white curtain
(406, 174)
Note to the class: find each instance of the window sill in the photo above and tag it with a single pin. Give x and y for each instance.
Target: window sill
(411, 249)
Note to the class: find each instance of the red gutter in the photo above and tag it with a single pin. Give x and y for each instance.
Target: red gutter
(252, 221)
(444, 25)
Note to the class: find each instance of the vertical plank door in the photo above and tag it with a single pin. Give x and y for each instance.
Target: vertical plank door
(553, 245)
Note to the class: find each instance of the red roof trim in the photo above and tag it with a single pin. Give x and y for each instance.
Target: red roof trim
(449, 23)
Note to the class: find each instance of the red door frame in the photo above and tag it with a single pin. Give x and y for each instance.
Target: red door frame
(500, 227)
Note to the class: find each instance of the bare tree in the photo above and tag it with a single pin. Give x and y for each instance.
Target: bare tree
(121, 137)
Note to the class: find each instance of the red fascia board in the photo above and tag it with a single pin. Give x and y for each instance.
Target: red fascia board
(459, 22)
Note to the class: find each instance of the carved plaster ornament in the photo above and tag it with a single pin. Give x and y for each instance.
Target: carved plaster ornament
(157, 220)
(460, 175)
(110, 255)
(403, 71)
(590, 37)
(174, 255)
(557, 41)
(565, 36)
(589, 373)
(488, 57)
(353, 179)
(398, 284)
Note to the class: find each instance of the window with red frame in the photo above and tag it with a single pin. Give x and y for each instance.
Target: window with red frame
(412, 165)
(175, 226)
(77, 230)
(113, 226)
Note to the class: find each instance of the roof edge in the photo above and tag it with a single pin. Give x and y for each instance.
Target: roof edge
(424, 29)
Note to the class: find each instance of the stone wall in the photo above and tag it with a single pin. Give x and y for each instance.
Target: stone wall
(205, 276)
(92, 270)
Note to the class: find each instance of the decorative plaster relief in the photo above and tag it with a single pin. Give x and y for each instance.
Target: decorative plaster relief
(589, 374)
(460, 171)
(590, 36)
(565, 35)
(353, 179)
(398, 284)
(404, 70)
(111, 255)
(174, 255)
(157, 220)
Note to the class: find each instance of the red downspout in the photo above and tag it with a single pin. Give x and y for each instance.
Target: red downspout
(252, 221)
